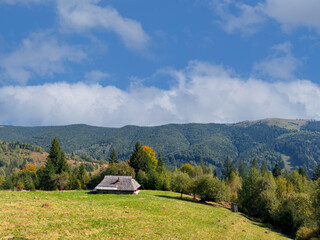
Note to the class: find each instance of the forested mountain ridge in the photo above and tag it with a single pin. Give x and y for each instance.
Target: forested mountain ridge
(290, 143)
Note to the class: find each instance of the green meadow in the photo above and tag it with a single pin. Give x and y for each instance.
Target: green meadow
(149, 215)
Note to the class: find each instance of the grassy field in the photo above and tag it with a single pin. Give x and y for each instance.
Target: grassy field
(149, 215)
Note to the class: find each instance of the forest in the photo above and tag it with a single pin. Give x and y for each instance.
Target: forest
(287, 200)
(288, 143)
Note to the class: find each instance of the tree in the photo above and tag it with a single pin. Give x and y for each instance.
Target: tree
(55, 153)
(243, 170)
(29, 168)
(228, 168)
(180, 183)
(58, 158)
(56, 165)
(209, 188)
(143, 158)
(161, 166)
(263, 169)
(188, 168)
(113, 157)
(302, 172)
(62, 179)
(276, 171)
(82, 175)
(254, 164)
(316, 173)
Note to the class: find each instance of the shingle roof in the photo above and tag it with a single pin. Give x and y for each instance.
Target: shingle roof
(122, 183)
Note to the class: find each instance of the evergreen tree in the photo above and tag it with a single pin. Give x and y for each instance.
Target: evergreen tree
(263, 169)
(161, 166)
(316, 173)
(276, 171)
(228, 168)
(55, 153)
(46, 175)
(139, 159)
(63, 164)
(113, 157)
(56, 165)
(302, 172)
(243, 170)
(254, 164)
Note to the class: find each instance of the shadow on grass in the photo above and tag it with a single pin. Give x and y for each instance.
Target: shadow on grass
(191, 199)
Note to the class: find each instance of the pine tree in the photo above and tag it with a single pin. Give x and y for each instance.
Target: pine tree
(113, 157)
(276, 171)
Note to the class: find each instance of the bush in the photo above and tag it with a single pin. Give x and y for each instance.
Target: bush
(209, 189)
(305, 233)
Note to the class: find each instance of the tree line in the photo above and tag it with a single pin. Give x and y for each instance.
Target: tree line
(289, 201)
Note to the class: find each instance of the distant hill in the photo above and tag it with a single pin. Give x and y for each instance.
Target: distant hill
(291, 143)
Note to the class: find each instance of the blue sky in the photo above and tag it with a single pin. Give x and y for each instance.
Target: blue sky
(116, 62)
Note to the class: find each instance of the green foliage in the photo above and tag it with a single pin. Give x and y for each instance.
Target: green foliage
(276, 171)
(113, 157)
(122, 169)
(189, 169)
(264, 140)
(228, 168)
(209, 188)
(181, 183)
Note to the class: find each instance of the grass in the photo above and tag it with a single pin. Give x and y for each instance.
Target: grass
(149, 215)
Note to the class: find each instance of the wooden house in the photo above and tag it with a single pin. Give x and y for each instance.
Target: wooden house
(118, 185)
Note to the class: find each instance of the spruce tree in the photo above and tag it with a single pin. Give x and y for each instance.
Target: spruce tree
(55, 153)
(161, 167)
(276, 171)
(228, 168)
(113, 157)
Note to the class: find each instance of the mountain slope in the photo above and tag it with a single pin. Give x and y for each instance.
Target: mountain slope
(290, 143)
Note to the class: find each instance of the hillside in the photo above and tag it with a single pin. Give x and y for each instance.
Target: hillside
(291, 143)
(149, 215)
(15, 155)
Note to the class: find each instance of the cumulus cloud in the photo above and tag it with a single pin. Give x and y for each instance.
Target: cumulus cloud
(203, 93)
(81, 15)
(40, 55)
(247, 18)
(281, 64)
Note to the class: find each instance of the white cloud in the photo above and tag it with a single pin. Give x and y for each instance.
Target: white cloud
(203, 93)
(281, 64)
(294, 13)
(80, 15)
(246, 21)
(247, 18)
(38, 55)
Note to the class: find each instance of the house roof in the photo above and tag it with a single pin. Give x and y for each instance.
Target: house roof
(122, 183)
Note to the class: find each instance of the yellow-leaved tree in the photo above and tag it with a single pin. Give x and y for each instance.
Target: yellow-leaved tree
(151, 154)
